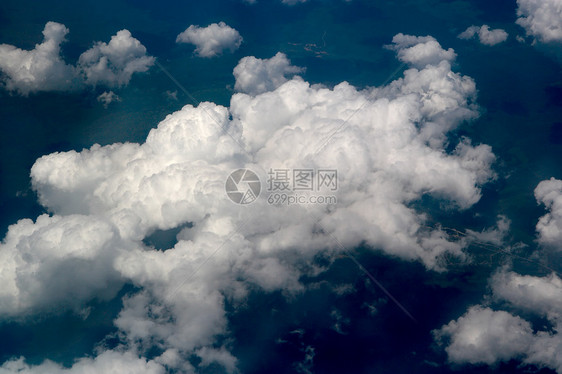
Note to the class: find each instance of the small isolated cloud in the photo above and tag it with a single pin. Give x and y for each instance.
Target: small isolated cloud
(172, 95)
(549, 227)
(485, 336)
(112, 64)
(254, 75)
(541, 19)
(212, 40)
(485, 35)
(40, 69)
(43, 69)
(420, 51)
(107, 98)
(493, 235)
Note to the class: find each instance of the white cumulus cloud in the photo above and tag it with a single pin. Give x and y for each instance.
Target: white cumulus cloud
(109, 362)
(108, 97)
(57, 262)
(43, 69)
(542, 295)
(541, 19)
(486, 336)
(255, 75)
(40, 69)
(420, 51)
(390, 146)
(549, 227)
(114, 63)
(485, 35)
(212, 40)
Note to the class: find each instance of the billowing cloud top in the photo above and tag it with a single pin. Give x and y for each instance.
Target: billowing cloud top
(43, 69)
(390, 146)
(486, 336)
(212, 40)
(114, 63)
(255, 76)
(40, 260)
(541, 19)
(420, 51)
(485, 35)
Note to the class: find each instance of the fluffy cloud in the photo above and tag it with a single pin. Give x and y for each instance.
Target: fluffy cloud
(420, 51)
(541, 295)
(549, 227)
(56, 263)
(109, 362)
(212, 40)
(113, 63)
(389, 144)
(391, 161)
(541, 19)
(43, 69)
(486, 336)
(485, 35)
(40, 69)
(108, 97)
(255, 76)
